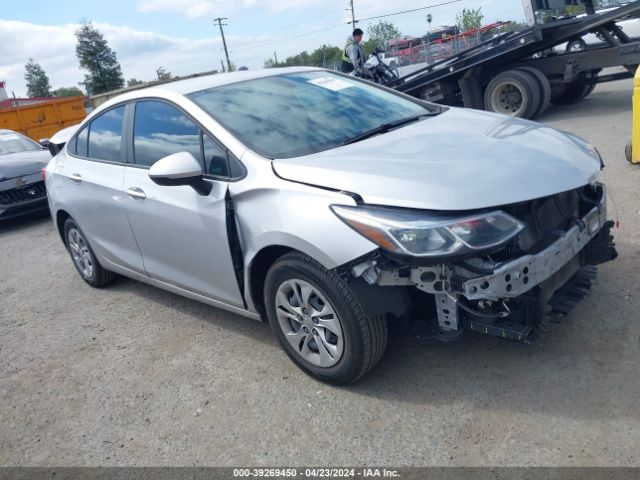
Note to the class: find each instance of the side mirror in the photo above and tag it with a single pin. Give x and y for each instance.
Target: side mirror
(180, 169)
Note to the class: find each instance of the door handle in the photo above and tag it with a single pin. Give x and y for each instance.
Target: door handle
(136, 193)
(76, 178)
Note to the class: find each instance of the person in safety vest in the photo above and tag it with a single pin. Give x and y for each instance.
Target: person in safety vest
(353, 56)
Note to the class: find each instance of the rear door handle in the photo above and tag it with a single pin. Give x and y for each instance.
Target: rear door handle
(76, 178)
(136, 193)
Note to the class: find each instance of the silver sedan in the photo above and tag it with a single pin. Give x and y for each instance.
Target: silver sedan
(331, 208)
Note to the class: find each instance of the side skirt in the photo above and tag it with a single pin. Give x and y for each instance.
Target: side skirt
(177, 290)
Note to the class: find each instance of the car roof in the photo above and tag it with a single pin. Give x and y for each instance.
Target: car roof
(191, 85)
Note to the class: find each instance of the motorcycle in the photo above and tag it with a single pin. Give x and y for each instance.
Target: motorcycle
(380, 72)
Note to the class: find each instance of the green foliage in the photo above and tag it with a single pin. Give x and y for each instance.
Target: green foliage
(163, 74)
(37, 80)
(134, 82)
(68, 92)
(98, 59)
(469, 19)
(379, 36)
(324, 56)
(328, 56)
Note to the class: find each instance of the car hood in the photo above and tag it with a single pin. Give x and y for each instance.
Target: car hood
(459, 160)
(23, 163)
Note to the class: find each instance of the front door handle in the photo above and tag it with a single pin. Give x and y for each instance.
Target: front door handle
(136, 193)
(76, 177)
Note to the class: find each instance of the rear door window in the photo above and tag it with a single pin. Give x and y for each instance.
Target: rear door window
(105, 136)
(82, 143)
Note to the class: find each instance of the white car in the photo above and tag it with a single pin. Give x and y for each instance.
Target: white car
(630, 26)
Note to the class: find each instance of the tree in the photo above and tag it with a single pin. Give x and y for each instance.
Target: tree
(68, 92)
(379, 36)
(37, 80)
(163, 74)
(469, 19)
(100, 61)
(134, 82)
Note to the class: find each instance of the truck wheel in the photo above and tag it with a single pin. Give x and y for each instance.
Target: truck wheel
(592, 87)
(576, 46)
(570, 94)
(319, 322)
(545, 89)
(515, 93)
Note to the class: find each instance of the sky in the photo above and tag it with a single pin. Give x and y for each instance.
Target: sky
(180, 35)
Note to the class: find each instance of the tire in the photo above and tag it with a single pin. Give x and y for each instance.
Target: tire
(83, 257)
(576, 46)
(571, 93)
(514, 93)
(592, 87)
(352, 342)
(545, 89)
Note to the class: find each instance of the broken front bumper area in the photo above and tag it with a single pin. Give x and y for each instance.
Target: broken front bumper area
(509, 299)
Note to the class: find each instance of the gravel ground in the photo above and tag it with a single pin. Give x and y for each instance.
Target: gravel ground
(132, 375)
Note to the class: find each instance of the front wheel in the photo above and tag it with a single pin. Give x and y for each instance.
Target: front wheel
(319, 322)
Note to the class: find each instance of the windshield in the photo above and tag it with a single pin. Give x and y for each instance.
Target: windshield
(11, 142)
(303, 113)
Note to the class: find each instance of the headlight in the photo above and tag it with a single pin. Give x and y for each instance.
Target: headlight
(424, 234)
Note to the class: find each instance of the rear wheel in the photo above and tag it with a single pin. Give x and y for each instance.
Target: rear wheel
(543, 85)
(83, 257)
(515, 93)
(320, 323)
(571, 93)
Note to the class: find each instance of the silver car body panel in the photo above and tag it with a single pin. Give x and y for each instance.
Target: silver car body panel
(182, 236)
(458, 160)
(95, 199)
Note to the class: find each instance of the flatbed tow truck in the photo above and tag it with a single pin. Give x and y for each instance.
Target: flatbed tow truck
(520, 74)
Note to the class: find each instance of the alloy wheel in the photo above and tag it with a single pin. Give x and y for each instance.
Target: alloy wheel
(309, 323)
(80, 253)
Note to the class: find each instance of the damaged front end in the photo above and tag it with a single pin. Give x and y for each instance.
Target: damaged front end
(500, 272)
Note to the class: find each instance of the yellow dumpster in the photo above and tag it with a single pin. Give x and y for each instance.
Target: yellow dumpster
(633, 148)
(43, 119)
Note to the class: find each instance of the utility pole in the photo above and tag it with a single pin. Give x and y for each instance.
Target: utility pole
(224, 42)
(353, 14)
(275, 55)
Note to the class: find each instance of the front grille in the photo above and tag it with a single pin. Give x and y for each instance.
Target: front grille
(23, 194)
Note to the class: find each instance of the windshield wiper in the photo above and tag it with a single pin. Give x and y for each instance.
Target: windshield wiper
(387, 127)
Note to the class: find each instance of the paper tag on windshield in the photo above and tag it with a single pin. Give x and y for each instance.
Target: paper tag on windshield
(333, 84)
(9, 136)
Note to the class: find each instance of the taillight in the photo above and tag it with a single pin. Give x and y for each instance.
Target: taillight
(43, 174)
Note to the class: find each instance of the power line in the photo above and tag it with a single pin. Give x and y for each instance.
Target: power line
(288, 38)
(340, 25)
(408, 11)
(224, 42)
